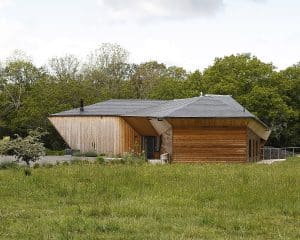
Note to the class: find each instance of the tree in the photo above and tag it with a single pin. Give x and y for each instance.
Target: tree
(107, 55)
(15, 78)
(267, 104)
(145, 77)
(290, 90)
(65, 68)
(168, 89)
(26, 149)
(193, 85)
(107, 68)
(236, 75)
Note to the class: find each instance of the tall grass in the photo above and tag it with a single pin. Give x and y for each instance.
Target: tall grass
(92, 201)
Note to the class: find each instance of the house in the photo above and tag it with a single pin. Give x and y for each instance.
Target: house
(209, 128)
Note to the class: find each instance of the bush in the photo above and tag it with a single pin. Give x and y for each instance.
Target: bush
(90, 154)
(76, 153)
(50, 152)
(134, 158)
(27, 149)
(100, 160)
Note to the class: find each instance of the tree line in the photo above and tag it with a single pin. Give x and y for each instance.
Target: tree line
(28, 93)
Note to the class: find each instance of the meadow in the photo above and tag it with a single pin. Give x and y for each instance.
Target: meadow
(94, 201)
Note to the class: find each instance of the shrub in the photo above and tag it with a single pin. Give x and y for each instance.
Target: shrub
(50, 152)
(90, 154)
(134, 158)
(27, 149)
(100, 160)
(76, 153)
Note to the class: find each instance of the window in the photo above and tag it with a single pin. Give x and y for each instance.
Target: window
(250, 149)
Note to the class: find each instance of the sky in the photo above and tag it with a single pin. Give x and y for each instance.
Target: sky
(187, 33)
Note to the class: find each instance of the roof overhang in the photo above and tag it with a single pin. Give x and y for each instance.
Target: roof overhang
(259, 128)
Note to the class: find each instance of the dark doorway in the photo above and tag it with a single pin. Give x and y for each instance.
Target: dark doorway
(149, 146)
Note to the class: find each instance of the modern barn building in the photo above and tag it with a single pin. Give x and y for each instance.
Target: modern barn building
(209, 128)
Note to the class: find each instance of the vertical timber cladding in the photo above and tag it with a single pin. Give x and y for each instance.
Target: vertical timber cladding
(209, 140)
(109, 135)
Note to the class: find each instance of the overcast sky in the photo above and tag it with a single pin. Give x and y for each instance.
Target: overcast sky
(188, 33)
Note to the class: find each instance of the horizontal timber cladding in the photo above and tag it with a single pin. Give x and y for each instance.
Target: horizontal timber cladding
(210, 144)
(207, 122)
(110, 135)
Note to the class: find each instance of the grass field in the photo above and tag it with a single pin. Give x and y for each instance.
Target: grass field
(92, 201)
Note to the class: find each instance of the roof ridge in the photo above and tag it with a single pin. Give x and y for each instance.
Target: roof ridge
(240, 108)
(183, 105)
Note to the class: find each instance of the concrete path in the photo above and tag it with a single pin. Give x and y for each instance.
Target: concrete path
(270, 161)
(44, 160)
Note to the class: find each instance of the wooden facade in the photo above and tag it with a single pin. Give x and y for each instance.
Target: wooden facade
(187, 140)
(109, 135)
(207, 144)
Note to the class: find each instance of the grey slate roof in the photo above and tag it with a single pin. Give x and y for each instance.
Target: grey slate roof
(215, 106)
(114, 107)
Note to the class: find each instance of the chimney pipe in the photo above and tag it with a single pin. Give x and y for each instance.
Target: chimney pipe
(81, 105)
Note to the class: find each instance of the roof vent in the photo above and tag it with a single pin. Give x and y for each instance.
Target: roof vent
(81, 105)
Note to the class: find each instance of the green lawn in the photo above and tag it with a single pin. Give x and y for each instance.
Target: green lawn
(92, 201)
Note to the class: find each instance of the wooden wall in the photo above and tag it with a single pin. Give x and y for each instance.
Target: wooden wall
(110, 135)
(254, 146)
(210, 144)
(209, 140)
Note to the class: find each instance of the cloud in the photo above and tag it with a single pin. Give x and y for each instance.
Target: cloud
(149, 9)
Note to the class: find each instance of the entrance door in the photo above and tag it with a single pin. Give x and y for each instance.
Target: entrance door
(149, 143)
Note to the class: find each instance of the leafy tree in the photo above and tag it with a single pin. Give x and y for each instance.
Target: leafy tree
(65, 68)
(268, 105)
(236, 75)
(290, 90)
(167, 89)
(15, 79)
(26, 149)
(107, 67)
(193, 86)
(145, 77)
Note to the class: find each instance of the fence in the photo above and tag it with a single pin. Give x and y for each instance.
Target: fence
(268, 153)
